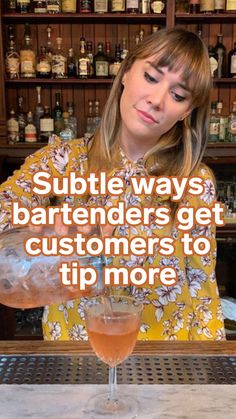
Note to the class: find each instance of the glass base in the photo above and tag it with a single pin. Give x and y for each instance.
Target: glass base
(99, 406)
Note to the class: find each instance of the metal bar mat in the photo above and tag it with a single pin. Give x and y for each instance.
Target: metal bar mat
(135, 370)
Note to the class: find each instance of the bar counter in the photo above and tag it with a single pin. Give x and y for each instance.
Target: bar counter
(184, 380)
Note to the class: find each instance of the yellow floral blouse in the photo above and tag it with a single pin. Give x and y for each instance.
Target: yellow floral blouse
(189, 310)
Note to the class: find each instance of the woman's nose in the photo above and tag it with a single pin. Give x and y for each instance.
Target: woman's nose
(157, 96)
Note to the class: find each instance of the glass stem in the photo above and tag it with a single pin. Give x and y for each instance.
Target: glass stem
(112, 384)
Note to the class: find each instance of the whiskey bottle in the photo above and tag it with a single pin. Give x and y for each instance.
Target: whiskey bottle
(30, 129)
(89, 46)
(101, 65)
(39, 110)
(68, 6)
(85, 6)
(223, 122)
(46, 126)
(12, 62)
(12, 128)
(194, 6)
(117, 6)
(22, 6)
(115, 64)
(231, 136)
(132, 6)
(213, 59)
(100, 6)
(53, 6)
(66, 134)
(158, 6)
(207, 6)
(220, 51)
(43, 67)
(232, 62)
(90, 127)
(71, 64)
(214, 125)
(145, 7)
(57, 114)
(39, 6)
(124, 51)
(11, 6)
(72, 120)
(97, 117)
(219, 6)
(27, 56)
(231, 6)
(49, 50)
(59, 61)
(83, 61)
(21, 118)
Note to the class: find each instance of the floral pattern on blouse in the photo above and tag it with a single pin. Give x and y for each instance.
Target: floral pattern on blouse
(189, 310)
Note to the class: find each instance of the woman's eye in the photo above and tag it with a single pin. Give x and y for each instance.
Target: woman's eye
(178, 98)
(149, 78)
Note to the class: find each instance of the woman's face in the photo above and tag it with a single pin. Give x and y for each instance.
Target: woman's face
(153, 100)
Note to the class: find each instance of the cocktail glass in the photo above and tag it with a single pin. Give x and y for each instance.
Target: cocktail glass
(112, 324)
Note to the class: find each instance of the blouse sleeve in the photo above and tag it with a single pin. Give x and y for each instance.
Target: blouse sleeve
(207, 322)
(56, 159)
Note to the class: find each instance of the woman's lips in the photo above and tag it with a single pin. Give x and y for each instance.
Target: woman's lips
(146, 117)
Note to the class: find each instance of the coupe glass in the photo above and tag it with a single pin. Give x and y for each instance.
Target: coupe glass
(112, 324)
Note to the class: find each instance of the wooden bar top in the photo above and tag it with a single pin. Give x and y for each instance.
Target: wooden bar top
(142, 348)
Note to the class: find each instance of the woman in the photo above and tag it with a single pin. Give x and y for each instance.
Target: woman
(155, 122)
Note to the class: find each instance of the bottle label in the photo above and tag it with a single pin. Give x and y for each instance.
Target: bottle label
(157, 6)
(30, 133)
(114, 68)
(27, 69)
(12, 66)
(145, 6)
(213, 65)
(59, 65)
(55, 8)
(85, 6)
(118, 6)
(223, 128)
(46, 125)
(207, 5)
(40, 10)
(233, 64)
(219, 4)
(214, 128)
(13, 130)
(69, 6)
(83, 67)
(231, 5)
(43, 67)
(100, 6)
(132, 4)
(101, 68)
(23, 2)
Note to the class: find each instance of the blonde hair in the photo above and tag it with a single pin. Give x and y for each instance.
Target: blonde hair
(180, 150)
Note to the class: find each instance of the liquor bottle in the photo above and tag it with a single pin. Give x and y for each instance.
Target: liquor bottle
(53, 6)
(124, 51)
(231, 136)
(100, 6)
(214, 125)
(11, 6)
(97, 117)
(194, 6)
(199, 30)
(46, 126)
(231, 6)
(12, 128)
(141, 35)
(220, 51)
(72, 120)
(66, 134)
(83, 61)
(59, 61)
(219, 6)
(43, 67)
(57, 114)
(145, 7)
(115, 64)
(101, 65)
(117, 6)
(85, 6)
(22, 6)
(158, 6)
(132, 6)
(71, 64)
(90, 127)
(68, 6)
(223, 122)
(232, 62)
(213, 59)
(39, 110)
(27, 56)
(89, 46)
(207, 6)
(39, 6)
(12, 62)
(49, 49)
(21, 117)
(30, 129)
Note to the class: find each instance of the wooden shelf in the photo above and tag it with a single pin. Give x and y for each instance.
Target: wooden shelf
(83, 17)
(36, 80)
(205, 18)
